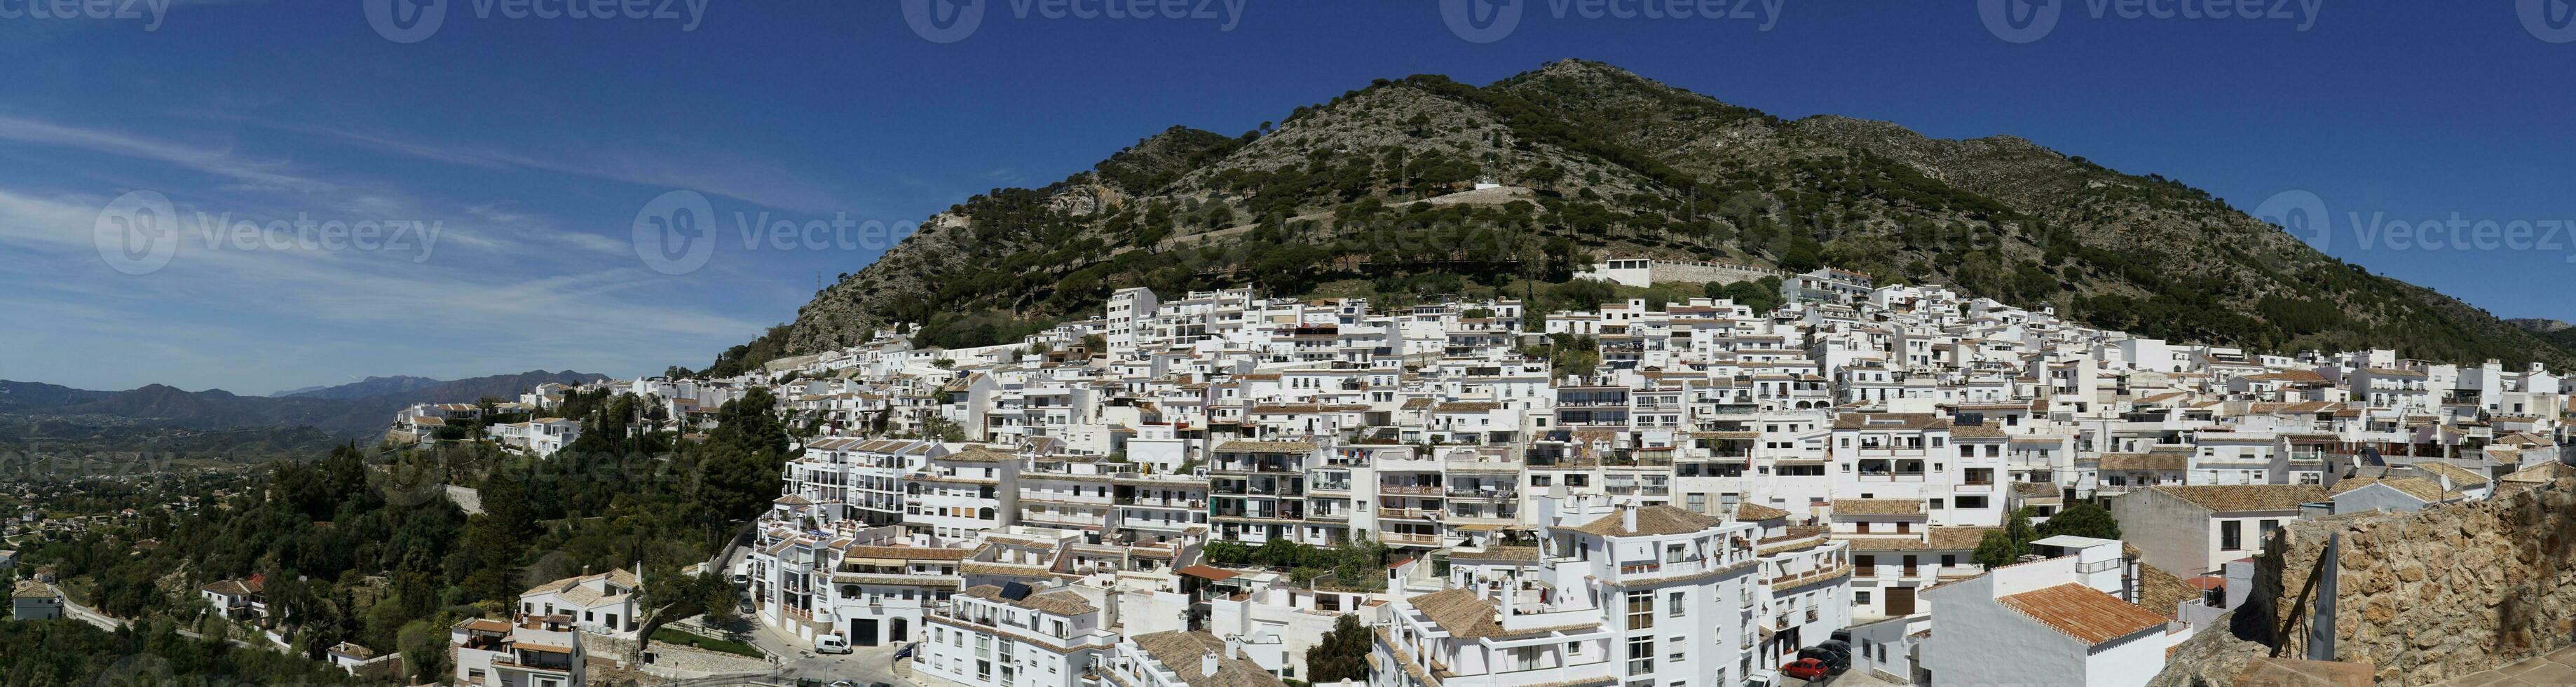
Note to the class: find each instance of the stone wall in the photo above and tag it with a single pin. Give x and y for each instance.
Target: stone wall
(673, 660)
(2422, 597)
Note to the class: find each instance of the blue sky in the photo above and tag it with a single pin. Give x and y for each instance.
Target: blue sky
(531, 145)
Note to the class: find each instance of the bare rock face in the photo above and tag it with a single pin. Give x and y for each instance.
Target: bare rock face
(2425, 597)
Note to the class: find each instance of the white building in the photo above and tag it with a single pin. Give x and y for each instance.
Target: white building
(2062, 620)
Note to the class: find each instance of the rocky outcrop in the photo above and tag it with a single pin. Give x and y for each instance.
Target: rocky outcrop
(2422, 597)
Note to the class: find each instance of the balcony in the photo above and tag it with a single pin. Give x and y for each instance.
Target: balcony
(1408, 513)
(1409, 538)
(1411, 489)
(1794, 580)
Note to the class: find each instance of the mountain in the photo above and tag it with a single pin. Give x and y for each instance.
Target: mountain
(1373, 194)
(37, 395)
(157, 407)
(2556, 332)
(2540, 326)
(371, 386)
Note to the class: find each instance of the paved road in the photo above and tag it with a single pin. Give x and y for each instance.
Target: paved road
(77, 612)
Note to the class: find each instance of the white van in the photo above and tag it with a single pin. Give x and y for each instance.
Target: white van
(831, 644)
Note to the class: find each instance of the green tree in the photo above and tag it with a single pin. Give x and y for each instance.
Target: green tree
(2082, 520)
(1998, 549)
(1343, 655)
(424, 651)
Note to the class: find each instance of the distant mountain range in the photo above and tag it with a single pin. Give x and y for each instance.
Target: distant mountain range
(35, 412)
(371, 386)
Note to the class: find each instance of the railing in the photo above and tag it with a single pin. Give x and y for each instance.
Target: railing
(1408, 513)
(1788, 581)
(1404, 538)
(1410, 490)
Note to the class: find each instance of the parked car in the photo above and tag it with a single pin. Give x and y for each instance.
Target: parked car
(1835, 661)
(831, 644)
(906, 651)
(1806, 669)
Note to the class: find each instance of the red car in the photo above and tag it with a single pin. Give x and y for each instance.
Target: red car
(1806, 669)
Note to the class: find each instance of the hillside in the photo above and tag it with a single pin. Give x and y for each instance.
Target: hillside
(158, 414)
(371, 386)
(1360, 191)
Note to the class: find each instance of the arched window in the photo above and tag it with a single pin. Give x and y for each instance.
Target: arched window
(985, 514)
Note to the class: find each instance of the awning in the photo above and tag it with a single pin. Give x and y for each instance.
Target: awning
(1209, 573)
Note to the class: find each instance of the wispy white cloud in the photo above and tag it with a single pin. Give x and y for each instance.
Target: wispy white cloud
(220, 161)
(706, 171)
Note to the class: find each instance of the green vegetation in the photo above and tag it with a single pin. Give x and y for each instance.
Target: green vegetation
(1360, 565)
(363, 547)
(68, 653)
(1343, 655)
(2082, 520)
(1330, 203)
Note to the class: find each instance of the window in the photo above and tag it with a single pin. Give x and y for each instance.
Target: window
(1641, 654)
(2231, 535)
(1641, 609)
(1971, 502)
(1674, 605)
(1860, 597)
(2263, 530)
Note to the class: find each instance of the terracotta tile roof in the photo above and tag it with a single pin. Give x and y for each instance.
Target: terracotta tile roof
(2424, 490)
(2460, 477)
(2237, 498)
(1757, 512)
(1976, 431)
(1182, 651)
(1496, 553)
(1655, 520)
(2082, 612)
(2146, 461)
(1460, 612)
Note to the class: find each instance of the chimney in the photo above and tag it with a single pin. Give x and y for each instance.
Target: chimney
(1207, 664)
(1628, 516)
(1234, 647)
